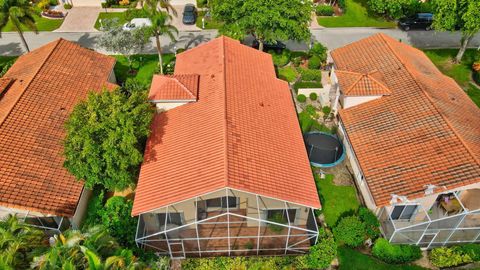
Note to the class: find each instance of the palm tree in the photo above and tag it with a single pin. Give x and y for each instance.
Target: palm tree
(123, 260)
(21, 14)
(160, 25)
(163, 4)
(66, 251)
(17, 241)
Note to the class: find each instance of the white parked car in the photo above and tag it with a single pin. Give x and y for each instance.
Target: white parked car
(137, 23)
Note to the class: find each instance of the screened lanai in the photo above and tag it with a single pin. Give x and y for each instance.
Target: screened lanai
(228, 222)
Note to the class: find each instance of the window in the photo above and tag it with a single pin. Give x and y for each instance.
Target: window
(222, 202)
(403, 211)
(280, 215)
(172, 218)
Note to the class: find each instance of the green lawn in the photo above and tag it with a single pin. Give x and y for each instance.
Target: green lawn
(209, 24)
(336, 200)
(288, 74)
(356, 15)
(144, 64)
(350, 259)
(110, 15)
(461, 73)
(43, 24)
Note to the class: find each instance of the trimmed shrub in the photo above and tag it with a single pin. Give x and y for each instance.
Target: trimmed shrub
(322, 254)
(313, 96)
(133, 13)
(326, 111)
(318, 50)
(473, 250)
(350, 231)
(288, 74)
(297, 61)
(448, 257)
(391, 253)
(302, 84)
(67, 6)
(301, 98)
(371, 222)
(314, 62)
(310, 74)
(280, 59)
(324, 10)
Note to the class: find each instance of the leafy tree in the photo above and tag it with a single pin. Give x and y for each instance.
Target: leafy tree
(21, 14)
(105, 136)
(125, 42)
(396, 9)
(161, 24)
(116, 218)
(451, 15)
(266, 20)
(17, 243)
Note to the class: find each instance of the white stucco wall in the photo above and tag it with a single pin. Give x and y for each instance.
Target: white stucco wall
(165, 106)
(81, 209)
(350, 101)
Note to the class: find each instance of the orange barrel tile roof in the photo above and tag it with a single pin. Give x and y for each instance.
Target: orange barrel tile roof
(48, 82)
(242, 133)
(427, 131)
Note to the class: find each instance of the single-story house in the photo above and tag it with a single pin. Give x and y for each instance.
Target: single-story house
(225, 169)
(36, 96)
(412, 136)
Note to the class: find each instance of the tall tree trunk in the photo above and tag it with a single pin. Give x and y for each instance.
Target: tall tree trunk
(260, 45)
(21, 36)
(159, 51)
(465, 40)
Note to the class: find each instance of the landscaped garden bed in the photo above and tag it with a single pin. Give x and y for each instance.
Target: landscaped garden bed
(53, 14)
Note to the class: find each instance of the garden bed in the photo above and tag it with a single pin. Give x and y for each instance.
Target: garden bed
(53, 14)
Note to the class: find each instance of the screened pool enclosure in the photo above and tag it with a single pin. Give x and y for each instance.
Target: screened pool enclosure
(453, 218)
(228, 222)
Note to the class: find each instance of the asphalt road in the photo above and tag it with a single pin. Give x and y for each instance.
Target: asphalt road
(10, 43)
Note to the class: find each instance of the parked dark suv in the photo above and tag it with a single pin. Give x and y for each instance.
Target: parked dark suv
(277, 46)
(189, 14)
(419, 21)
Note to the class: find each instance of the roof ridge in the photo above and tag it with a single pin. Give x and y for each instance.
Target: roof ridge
(454, 130)
(31, 80)
(377, 81)
(225, 126)
(183, 87)
(353, 84)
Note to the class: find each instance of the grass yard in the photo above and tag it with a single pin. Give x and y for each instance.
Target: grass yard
(350, 259)
(209, 23)
(288, 74)
(110, 15)
(356, 15)
(336, 200)
(461, 73)
(43, 24)
(144, 64)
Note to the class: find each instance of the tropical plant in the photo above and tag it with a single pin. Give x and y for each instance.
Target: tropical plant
(125, 42)
(21, 14)
(106, 135)
(453, 15)
(268, 21)
(116, 217)
(18, 242)
(161, 24)
(319, 50)
(448, 257)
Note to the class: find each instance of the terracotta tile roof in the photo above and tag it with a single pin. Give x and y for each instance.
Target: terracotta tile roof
(174, 87)
(242, 133)
(49, 81)
(358, 84)
(5, 83)
(426, 132)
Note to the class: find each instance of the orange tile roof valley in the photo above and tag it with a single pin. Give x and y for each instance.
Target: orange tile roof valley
(426, 132)
(48, 83)
(242, 133)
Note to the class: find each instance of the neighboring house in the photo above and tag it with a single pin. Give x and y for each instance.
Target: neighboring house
(36, 96)
(413, 138)
(225, 169)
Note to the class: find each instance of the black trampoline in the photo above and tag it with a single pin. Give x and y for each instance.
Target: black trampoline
(324, 150)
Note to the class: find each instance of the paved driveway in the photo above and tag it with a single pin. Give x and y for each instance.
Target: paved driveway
(177, 21)
(80, 19)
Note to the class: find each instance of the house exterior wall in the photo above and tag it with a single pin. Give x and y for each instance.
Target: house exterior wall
(350, 101)
(81, 209)
(165, 106)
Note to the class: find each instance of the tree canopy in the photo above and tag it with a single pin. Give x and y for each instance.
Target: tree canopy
(21, 13)
(106, 135)
(266, 20)
(453, 15)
